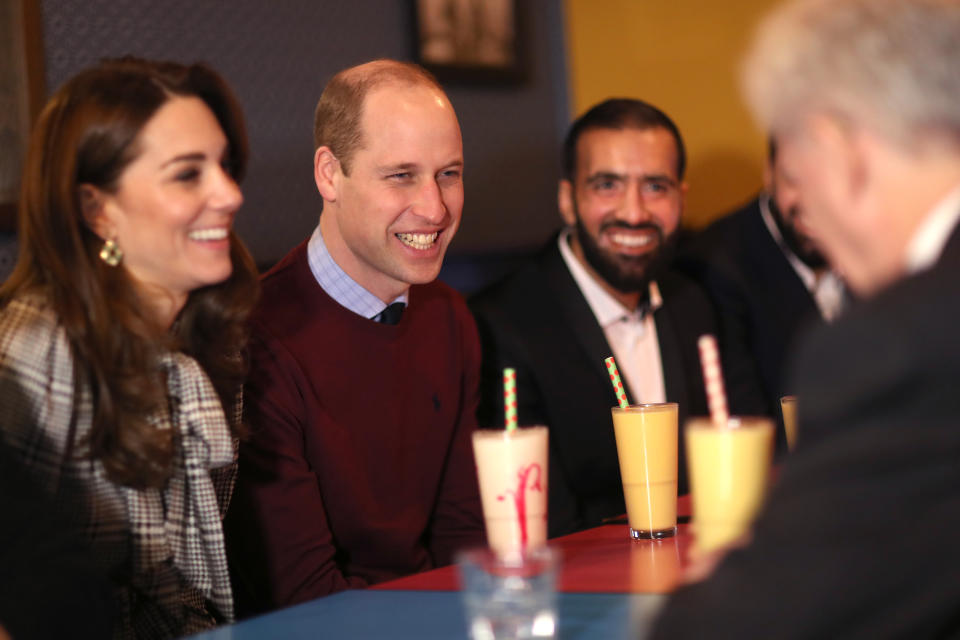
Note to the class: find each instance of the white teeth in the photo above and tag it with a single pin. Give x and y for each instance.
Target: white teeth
(421, 241)
(632, 240)
(216, 233)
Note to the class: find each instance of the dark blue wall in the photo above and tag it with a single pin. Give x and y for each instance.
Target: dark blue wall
(278, 56)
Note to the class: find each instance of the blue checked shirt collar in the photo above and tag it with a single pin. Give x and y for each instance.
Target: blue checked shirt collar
(338, 285)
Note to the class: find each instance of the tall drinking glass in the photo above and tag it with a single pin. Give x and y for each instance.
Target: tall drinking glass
(788, 407)
(729, 474)
(512, 472)
(647, 448)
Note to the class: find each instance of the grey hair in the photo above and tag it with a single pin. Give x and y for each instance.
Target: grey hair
(893, 65)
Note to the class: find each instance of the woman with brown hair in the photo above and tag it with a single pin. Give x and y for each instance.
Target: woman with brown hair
(122, 330)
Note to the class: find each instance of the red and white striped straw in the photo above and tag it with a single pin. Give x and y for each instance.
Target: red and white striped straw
(713, 380)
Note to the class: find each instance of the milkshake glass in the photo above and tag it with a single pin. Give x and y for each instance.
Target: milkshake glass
(512, 472)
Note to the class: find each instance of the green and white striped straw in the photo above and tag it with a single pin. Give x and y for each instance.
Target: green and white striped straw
(615, 381)
(510, 397)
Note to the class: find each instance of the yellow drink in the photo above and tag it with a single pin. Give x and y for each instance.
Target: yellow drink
(647, 448)
(788, 406)
(512, 473)
(729, 472)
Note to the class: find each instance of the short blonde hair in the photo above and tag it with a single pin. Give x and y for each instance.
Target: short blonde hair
(893, 65)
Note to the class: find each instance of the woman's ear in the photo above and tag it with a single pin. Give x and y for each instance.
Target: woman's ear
(94, 210)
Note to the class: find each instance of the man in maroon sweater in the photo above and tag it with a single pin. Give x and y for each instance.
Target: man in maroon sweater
(364, 370)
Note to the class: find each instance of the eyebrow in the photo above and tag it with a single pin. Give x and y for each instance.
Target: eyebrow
(396, 168)
(660, 177)
(604, 175)
(412, 166)
(186, 157)
(648, 177)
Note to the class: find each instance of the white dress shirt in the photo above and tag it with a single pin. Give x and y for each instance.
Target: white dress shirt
(931, 236)
(632, 338)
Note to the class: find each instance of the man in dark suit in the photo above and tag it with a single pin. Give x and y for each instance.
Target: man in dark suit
(858, 538)
(769, 282)
(599, 288)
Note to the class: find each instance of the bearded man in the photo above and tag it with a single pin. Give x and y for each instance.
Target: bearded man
(601, 287)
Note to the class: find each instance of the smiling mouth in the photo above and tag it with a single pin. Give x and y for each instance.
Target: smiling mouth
(419, 241)
(632, 241)
(209, 235)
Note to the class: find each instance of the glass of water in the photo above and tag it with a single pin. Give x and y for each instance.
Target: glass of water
(510, 595)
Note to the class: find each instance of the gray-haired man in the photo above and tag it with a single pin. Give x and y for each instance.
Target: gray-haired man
(857, 539)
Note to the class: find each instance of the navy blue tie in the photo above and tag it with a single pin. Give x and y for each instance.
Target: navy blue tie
(391, 315)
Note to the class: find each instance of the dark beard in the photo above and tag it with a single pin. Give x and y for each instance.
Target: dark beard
(627, 274)
(794, 241)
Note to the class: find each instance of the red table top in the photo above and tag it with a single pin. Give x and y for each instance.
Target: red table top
(600, 560)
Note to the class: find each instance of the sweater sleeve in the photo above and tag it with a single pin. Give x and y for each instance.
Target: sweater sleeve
(279, 540)
(457, 521)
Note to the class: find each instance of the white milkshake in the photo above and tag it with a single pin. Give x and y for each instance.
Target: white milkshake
(512, 472)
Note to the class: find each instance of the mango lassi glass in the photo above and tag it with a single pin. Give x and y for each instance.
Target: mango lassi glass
(729, 473)
(788, 406)
(647, 449)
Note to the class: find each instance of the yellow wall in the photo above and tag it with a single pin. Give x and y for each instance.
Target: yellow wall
(682, 56)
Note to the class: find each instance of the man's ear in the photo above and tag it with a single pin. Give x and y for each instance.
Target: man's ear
(327, 173)
(568, 211)
(93, 206)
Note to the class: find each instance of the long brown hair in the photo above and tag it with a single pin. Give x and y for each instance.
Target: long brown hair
(87, 134)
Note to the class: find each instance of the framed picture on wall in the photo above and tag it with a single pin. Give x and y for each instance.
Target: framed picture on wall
(470, 41)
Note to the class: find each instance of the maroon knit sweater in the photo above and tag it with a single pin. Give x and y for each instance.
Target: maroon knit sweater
(359, 468)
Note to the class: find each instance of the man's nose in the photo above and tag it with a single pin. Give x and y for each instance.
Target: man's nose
(430, 205)
(634, 210)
